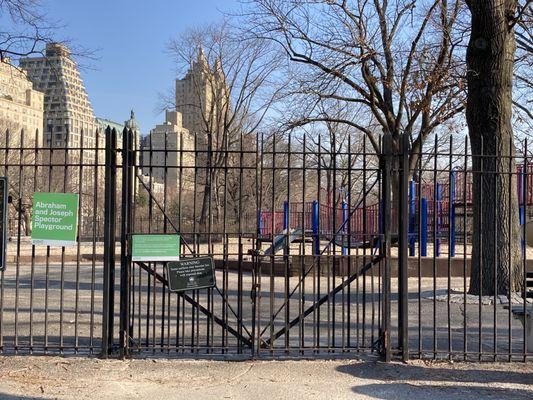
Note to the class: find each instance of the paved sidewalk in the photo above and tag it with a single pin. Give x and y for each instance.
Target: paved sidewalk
(80, 378)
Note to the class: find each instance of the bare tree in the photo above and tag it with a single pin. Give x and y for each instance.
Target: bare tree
(233, 93)
(523, 70)
(338, 150)
(25, 28)
(392, 63)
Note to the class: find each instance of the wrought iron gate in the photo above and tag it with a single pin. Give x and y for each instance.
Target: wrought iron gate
(299, 290)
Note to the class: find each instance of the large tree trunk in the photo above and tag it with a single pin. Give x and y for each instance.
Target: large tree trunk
(496, 253)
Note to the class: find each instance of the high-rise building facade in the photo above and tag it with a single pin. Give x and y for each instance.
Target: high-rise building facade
(21, 136)
(21, 108)
(168, 154)
(202, 97)
(70, 127)
(68, 114)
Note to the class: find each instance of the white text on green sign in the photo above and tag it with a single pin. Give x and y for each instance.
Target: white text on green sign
(155, 248)
(54, 219)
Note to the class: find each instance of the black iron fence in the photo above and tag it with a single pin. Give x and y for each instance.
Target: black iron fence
(51, 297)
(463, 286)
(322, 245)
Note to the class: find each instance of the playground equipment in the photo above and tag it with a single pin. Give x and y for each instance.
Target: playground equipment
(439, 214)
(432, 215)
(358, 228)
(280, 241)
(314, 223)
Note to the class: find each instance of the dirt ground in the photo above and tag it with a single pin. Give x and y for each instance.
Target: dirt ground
(85, 378)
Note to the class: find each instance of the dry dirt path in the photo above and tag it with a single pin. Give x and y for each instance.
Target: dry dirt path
(78, 378)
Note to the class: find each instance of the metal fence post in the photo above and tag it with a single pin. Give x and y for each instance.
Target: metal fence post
(316, 224)
(344, 230)
(438, 219)
(109, 241)
(423, 227)
(451, 222)
(521, 194)
(127, 200)
(403, 265)
(286, 215)
(386, 244)
(412, 218)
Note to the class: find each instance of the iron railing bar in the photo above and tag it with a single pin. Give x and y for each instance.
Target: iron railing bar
(317, 257)
(325, 298)
(197, 305)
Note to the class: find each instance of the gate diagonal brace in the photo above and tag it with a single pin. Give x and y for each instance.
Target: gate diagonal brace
(162, 210)
(324, 299)
(331, 241)
(194, 303)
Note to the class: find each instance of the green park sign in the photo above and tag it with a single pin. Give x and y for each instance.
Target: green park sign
(54, 219)
(155, 248)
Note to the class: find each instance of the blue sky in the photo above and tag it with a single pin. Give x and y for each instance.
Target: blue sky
(130, 36)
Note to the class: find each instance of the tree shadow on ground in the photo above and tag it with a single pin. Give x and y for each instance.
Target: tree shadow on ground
(407, 391)
(434, 382)
(4, 396)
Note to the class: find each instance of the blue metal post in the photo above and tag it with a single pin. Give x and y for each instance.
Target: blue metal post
(286, 215)
(260, 223)
(344, 221)
(522, 197)
(522, 203)
(451, 222)
(438, 219)
(424, 228)
(412, 211)
(315, 224)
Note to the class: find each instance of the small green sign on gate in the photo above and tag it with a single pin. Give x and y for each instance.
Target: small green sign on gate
(155, 248)
(54, 219)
